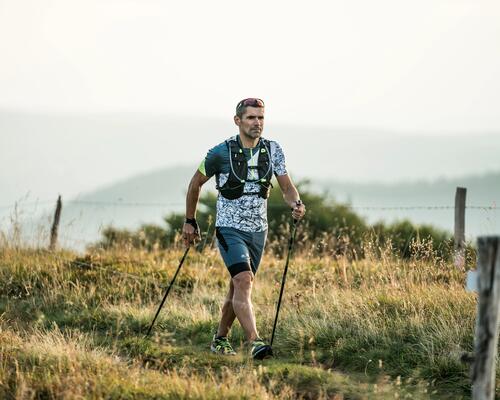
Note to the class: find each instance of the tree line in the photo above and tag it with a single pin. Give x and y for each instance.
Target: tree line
(329, 228)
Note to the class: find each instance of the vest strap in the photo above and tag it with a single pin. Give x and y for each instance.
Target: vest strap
(239, 170)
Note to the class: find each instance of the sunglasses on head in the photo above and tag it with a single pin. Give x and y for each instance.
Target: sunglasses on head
(251, 102)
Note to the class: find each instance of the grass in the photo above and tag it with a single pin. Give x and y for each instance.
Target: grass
(72, 326)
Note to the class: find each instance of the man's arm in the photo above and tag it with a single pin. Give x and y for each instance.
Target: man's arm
(291, 196)
(189, 233)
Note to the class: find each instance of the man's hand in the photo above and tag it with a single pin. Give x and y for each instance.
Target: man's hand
(190, 233)
(298, 210)
(291, 196)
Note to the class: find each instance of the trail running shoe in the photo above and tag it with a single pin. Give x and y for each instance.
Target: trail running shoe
(260, 350)
(221, 345)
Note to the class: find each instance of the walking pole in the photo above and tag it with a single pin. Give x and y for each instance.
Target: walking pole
(290, 247)
(168, 290)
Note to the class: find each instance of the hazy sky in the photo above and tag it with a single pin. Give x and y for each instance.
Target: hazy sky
(407, 66)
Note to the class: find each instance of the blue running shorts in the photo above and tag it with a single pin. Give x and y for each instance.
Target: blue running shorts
(241, 251)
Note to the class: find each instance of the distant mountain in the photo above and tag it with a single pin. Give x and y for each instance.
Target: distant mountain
(482, 189)
(44, 155)
(147, 198)
(71, 154)
(424, 202)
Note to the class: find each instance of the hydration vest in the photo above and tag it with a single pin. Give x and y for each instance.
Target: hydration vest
(239, 171)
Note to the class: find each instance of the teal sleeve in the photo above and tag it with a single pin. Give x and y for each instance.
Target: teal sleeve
(212, 164)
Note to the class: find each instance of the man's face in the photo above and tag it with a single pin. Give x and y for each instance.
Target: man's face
(251, 122)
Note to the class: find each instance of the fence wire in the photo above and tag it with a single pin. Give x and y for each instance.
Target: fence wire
(109, 203)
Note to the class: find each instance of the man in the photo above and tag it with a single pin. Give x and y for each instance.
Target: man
(243, 166)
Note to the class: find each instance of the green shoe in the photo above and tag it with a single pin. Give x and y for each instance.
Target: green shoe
(260, 350)
(221, 345)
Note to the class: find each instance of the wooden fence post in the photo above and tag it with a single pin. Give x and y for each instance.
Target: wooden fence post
(459, 253)
(55, 224)
(486, 337)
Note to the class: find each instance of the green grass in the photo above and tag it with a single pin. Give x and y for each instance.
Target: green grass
(73, 327)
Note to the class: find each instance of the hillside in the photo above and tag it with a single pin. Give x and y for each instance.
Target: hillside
(73, 154)
(482, 191)
(73, 327)
(147, 198)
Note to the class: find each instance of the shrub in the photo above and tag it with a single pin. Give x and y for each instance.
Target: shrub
(329, 228)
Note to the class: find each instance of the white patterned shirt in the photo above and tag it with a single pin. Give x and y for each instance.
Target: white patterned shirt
(249, 212)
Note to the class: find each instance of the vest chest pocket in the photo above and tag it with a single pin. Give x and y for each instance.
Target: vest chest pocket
(256, 170)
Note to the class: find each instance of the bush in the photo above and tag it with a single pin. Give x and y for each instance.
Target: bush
(329, 228)
(407, 239)
(148, 237)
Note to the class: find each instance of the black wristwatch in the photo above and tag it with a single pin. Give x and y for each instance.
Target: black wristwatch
(192, 222)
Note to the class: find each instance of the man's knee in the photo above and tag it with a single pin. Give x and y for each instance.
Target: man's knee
(230, 292)
(238, 268)
(243, 280)
(228, 304)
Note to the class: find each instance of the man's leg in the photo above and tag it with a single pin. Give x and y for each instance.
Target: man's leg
(242, 303)
(228, 314)
(234, 248)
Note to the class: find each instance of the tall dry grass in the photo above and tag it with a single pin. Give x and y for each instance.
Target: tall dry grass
(72, 326)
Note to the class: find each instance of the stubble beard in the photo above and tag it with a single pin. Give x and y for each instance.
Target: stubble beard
(253, 134)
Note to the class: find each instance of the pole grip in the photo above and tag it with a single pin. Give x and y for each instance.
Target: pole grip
(298, 203)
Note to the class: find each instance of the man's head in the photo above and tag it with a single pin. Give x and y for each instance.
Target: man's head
(250, 117)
